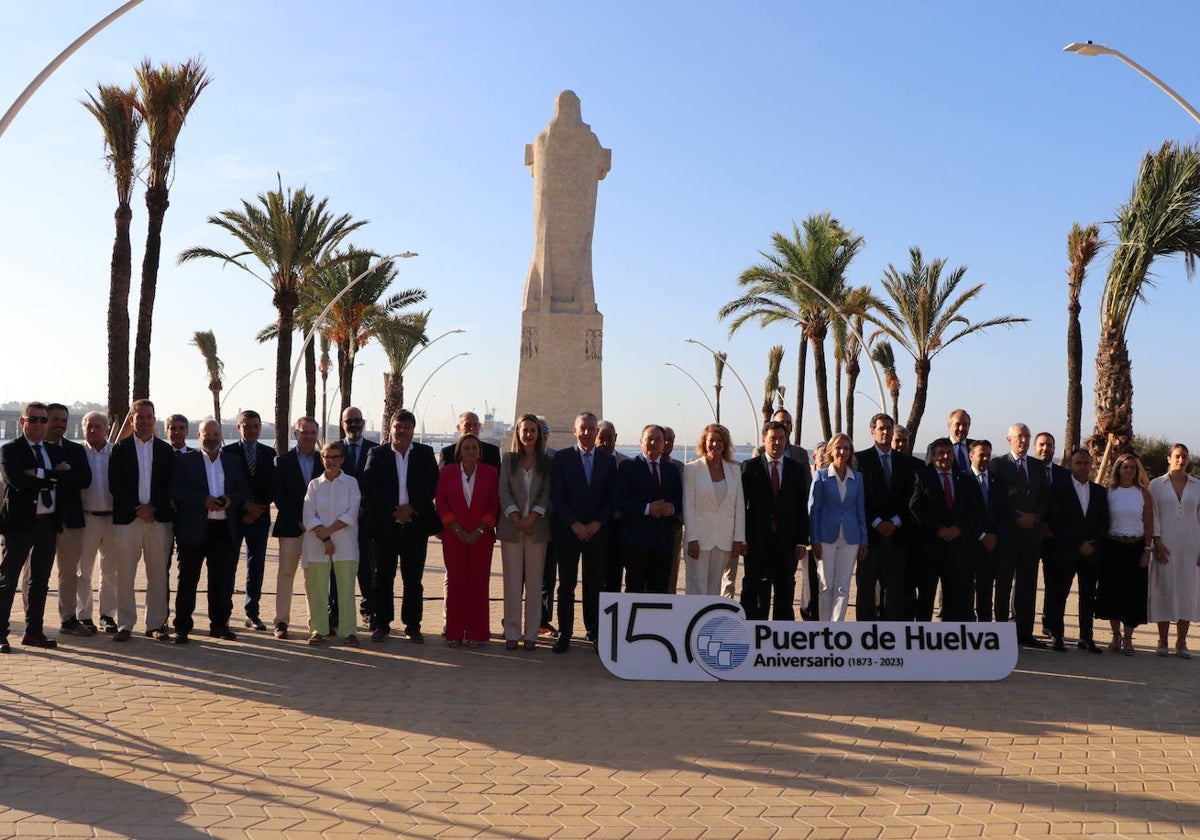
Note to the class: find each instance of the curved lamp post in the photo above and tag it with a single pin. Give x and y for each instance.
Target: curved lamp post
(755, 423)
(58, 61)
(697, 384)
(1099, 49)
(421, 390)
(229, 390)
(426, 346)
(317, 322)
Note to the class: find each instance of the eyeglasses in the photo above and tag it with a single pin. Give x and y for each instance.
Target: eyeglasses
(37, 419)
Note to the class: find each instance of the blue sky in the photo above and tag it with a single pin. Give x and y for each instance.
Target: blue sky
(959, 127)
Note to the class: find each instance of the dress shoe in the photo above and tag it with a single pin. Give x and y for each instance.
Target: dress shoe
(352, 640)
(511, 644)
(1031, 642)
(547, 630)
(73, 627)
(415, 636)
(562, 645)
(5, 647)
(1058, 645)
(314, 640)
(181, 638)
(108, 624)
(38, 639)
(89, 625)
(159, 634)
(281, 631)
(222, 633)
(380, 635)
(1089, 645)
(530, 644)
(122, 636)
(255, 623)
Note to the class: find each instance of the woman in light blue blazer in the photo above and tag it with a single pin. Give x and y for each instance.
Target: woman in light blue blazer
(839, 527)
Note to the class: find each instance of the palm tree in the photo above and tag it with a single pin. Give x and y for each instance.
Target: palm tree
(356, 316)
(926, 318)
(165, 96)
(292, 236)
(779, 290)
(1161, 218)
(854, 303)
(1083, 243)
(206, 342)
(399, 335)
(883, 355)
(771, 385)
(120, 123)
(719, 364)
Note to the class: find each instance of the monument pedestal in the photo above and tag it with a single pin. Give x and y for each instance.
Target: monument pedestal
(560, 369)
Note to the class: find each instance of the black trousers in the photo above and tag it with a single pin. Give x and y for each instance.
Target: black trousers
(594, 554)
(770, 570)
(1062, 572)
(947, 563)
(549, 577)
(983, 569)
(217, 551)
(403, 547)
(647, 569)
(36, 546)
(1016, 577)
(885, 567)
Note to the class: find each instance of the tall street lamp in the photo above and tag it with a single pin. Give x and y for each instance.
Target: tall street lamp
(1099, 49)
(698, 385)
(421, 390)
(724, 363)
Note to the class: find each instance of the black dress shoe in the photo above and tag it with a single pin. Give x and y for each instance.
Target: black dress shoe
(1058, 645)
(181, 638)
(380, 635)
(222, 633)
(562, 645)
(1089, 645)
(415, 636)
(159, 634)
(122, 636)
(89, 626)
(73, 627)
(39, 640)
(108, 624)
(1031, 642)
(255, 623)
(5, 647)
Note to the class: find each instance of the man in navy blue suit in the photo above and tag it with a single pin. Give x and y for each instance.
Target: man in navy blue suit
(252, 523)
(993, 519)
(208, 488)
(581, 485)
(649, 494)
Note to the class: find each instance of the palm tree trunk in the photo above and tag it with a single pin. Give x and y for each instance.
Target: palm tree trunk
(920, 394)
(801, 375)
(852, 371)
(286, 303)
(1074, 376)
(821, 379)
(343, 363)
(120, 274)
(837, 395)
(896, 402)
(216, 394)
(157, 202)
(1114, 393)
(310, 380)
(393, 401)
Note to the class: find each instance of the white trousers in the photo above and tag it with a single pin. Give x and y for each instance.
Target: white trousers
(524, 562)
(149, 541)
(706, 573)
(835, 568)
(99, 535)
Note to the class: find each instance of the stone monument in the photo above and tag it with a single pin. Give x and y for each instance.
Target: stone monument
(561, 328)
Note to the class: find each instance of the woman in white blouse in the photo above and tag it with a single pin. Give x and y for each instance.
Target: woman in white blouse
(1174, 581)
(524, 530)
(714, 514)
(331, 545)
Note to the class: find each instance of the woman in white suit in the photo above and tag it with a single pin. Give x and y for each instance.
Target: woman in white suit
(839, 527)
(524, 530)
(714, 514)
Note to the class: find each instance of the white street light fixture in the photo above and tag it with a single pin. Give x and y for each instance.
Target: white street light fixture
(755, 423)
(1099, 49)
(696, 383)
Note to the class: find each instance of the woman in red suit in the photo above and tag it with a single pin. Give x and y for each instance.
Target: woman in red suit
(468, 502)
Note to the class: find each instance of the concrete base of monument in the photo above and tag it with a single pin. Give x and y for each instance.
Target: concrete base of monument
(707, 638)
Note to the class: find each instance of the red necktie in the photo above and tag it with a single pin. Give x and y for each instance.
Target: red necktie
(654, 479)
(775, 477)
(948, 491)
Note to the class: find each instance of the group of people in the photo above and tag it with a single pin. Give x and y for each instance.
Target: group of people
(974, 527)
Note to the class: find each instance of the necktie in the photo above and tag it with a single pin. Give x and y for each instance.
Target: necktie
(47, 499)
(251, 458)
(948, 491)
(353, 465)
(961, 449)
(654, 478)
(886, 459)
(1024, 473)
(587, 466)
(775, 477)
(983, 487)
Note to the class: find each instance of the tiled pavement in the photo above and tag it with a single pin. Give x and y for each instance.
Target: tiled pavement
(263, 738)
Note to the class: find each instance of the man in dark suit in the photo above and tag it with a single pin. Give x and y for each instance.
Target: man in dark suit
(958, 426)
(139, 477)
(1077, 511)
(677, 538)
(29, 521)
(800, 455)
(993, 520)
(776, 491)
(945, 506)
(1043, 448)
(293, 471)
(69, 504)
(356, 448)
(403, 518)
(614, 563)
(468, 424)
(581, 485)
(208, 488)
(252, 522)
(649, 494)
(887, 486)
(1021, 545)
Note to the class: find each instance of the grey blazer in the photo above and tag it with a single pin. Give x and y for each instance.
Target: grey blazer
(513, 497)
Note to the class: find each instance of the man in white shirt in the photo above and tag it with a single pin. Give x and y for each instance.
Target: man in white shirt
(98, 533)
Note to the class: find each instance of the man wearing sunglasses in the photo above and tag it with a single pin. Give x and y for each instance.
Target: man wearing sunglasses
(356, 448)
(29, 520)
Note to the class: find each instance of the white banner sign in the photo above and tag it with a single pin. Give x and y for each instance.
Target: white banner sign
(702, 637)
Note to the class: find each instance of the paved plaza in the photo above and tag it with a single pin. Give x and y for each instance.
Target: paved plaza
(266, 738)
